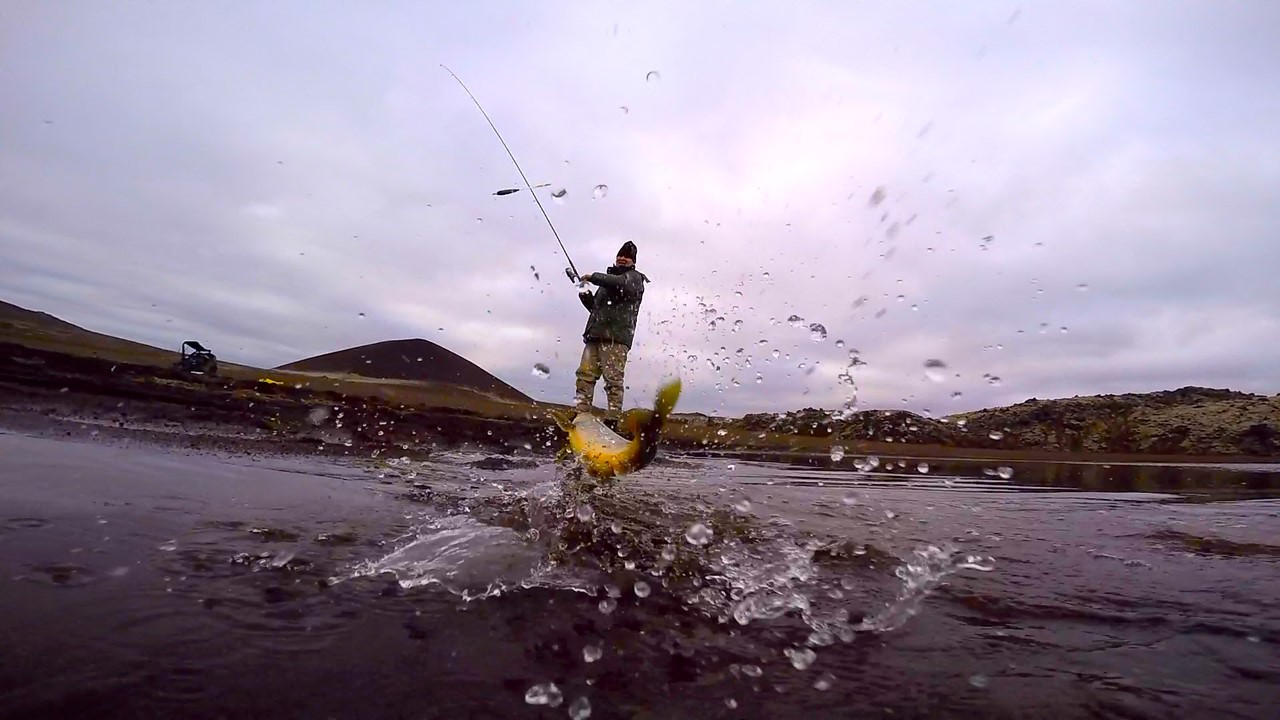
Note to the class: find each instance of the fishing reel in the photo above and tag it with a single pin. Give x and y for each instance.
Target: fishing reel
(573, 276)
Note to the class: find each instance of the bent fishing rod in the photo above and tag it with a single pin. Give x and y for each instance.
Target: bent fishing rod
(571, 271)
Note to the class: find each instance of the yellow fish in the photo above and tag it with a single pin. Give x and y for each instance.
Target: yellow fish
(606, 454)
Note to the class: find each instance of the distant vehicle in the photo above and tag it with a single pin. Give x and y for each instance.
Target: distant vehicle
(199, 361)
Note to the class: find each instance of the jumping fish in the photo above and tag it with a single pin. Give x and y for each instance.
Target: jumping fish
(606, 454)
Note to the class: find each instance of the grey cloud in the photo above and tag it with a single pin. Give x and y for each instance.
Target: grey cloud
(262, 175)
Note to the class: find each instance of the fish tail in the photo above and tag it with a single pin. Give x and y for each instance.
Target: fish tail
(668, 394)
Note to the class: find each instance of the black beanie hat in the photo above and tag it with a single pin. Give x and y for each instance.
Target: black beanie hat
(628, 250)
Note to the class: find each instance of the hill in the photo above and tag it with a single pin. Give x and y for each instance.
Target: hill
(1190, 420)
(44, 331)
(415, 360)
(1187, 421)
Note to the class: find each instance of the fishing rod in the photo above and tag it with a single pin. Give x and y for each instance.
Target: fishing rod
(571, 270)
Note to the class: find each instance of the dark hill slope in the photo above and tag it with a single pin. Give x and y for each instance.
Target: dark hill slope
(417, 360)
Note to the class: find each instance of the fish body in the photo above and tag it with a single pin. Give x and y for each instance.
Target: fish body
(606, 454)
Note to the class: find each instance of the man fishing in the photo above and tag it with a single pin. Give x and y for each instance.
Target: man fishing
(611, 328)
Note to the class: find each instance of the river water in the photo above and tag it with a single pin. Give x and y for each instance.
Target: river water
(139, 581)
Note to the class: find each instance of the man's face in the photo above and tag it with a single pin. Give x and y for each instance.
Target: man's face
(621, 260)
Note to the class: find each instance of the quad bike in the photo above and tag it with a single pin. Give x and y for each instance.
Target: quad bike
(199, 361)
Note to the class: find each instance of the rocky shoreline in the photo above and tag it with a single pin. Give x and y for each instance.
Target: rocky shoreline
(39, 387)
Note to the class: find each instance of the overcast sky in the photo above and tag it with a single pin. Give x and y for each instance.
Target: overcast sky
(1075, 197)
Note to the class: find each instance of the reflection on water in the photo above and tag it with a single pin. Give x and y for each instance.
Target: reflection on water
(1194, 483)
(211, 588)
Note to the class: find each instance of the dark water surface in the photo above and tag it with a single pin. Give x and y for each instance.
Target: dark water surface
(144, 582)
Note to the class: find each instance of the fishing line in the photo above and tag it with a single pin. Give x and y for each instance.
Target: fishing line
(518, 169)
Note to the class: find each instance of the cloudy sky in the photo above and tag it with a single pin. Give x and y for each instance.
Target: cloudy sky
(1074, 197)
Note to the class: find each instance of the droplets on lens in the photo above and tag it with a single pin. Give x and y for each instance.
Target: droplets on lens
(642, 589)
(592, 653)
(653, 76)
(544, 694)
(935, 370)
(580, 709)
(877, 196)
(837, 453)
(995, 435)
(795, 321)
(698, 534)
(1005, 472)
(801, 658)
(599, 192)
(817, 332)
(541, 371)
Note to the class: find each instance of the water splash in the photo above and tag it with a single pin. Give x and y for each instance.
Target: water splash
(922, 573)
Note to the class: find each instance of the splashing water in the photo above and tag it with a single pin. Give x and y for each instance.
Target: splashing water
(920, 575)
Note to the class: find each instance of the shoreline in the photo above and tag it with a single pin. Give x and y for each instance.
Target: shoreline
(41, 388)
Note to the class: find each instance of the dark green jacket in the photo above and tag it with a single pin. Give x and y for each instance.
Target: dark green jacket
(615, 306)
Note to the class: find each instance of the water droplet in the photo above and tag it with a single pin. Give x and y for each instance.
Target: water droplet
(479, 220)
(935, 370)
(540, 370)
(796, 321)
(850, 499)
(839, 343)
(599, 192)
(1004, 471)
(759, 378)
(837, 453)
(642, 589)
(586, 513)
(742, 505)
(801, 658)
(169, 546)
(824, 683)
(731, 703)
(817, 332)
(592, 653)
(752, 670)
(978, 681)
(698, 534)
(616, 527)
(923, 468)
(1063, 330)
(360, 315)
(544, 694)
(669, 553)
(580, 709)
(995, 435)
(558, 195)
(653, 76)
(1082, 287)
(877, 196)
(608, 605)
